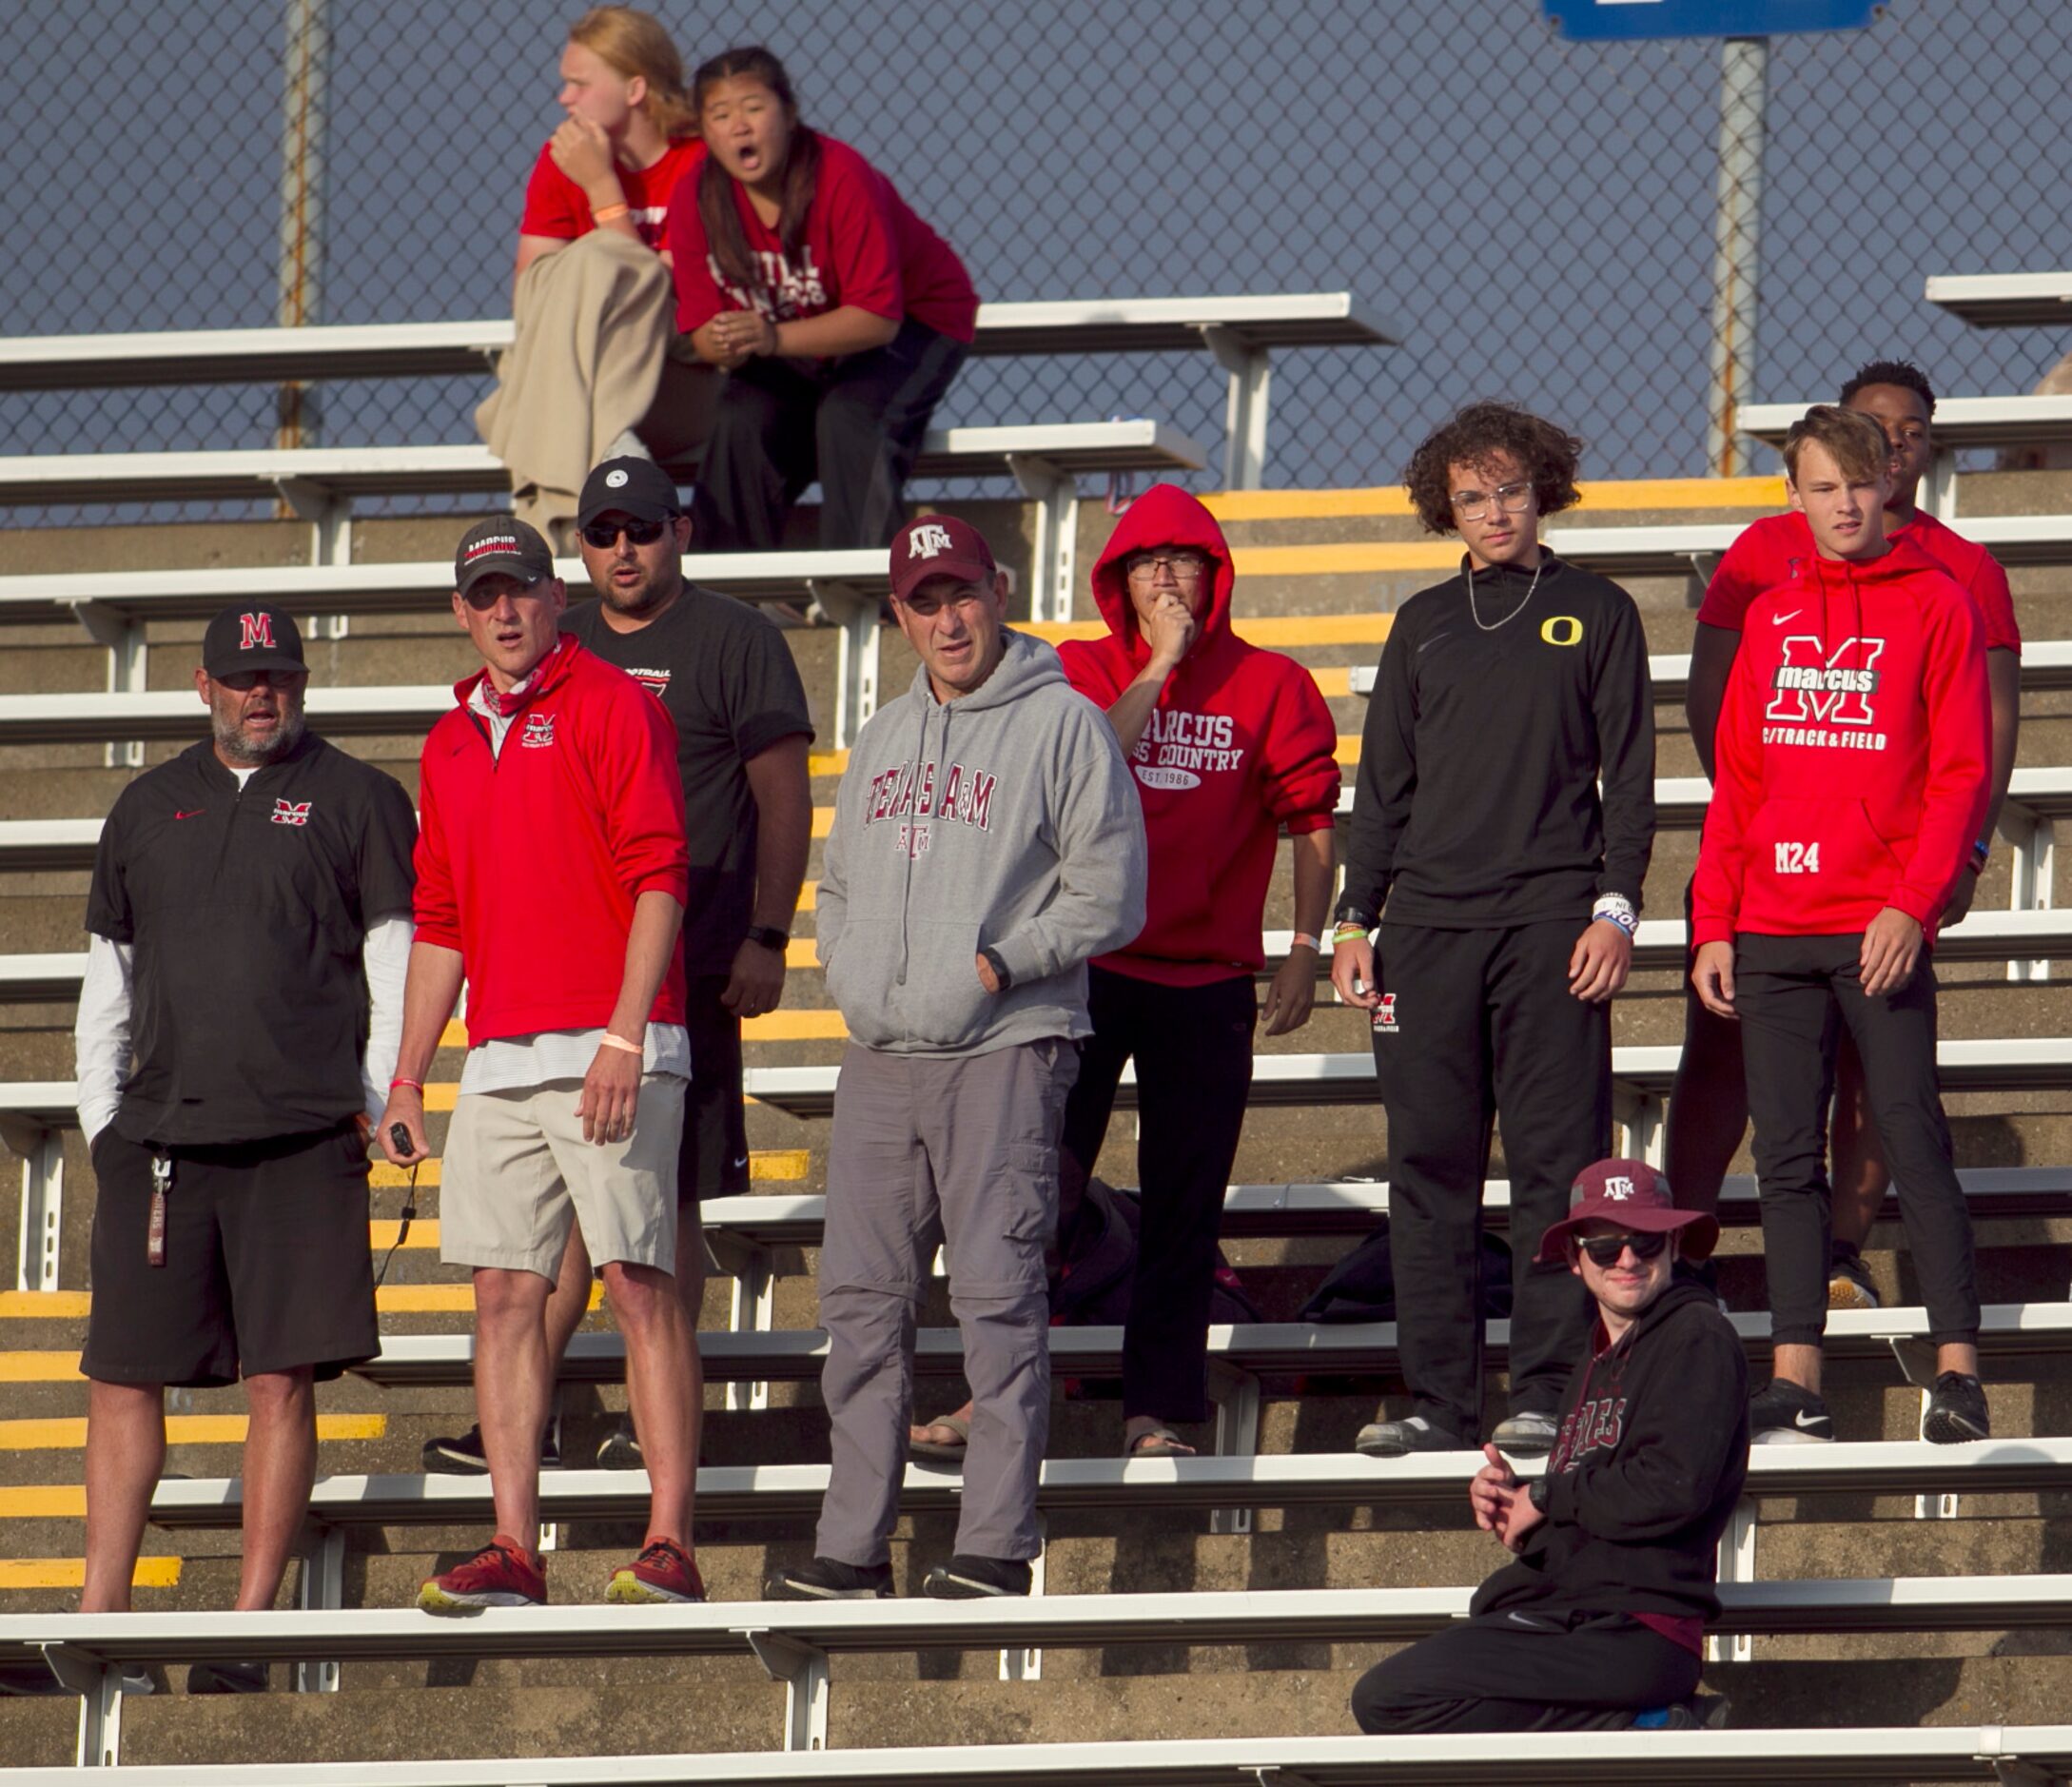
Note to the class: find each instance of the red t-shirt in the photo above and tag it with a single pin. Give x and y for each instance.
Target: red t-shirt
(1773, 551)
(863, 246)
(555, 206)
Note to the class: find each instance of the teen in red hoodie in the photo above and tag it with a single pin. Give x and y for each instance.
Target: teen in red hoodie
(1853, 756)
(1708, 1109)
(1227, 745)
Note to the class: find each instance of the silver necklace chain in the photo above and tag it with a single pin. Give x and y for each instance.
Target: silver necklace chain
(1524, 601)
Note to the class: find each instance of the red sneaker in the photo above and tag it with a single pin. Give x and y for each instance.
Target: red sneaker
(502, 1574)
(661, 1573)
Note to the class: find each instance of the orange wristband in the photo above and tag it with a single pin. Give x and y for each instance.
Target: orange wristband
(611, 213)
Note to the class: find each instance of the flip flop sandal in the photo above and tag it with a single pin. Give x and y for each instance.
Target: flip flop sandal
(942, 1451)
(1158, 1443)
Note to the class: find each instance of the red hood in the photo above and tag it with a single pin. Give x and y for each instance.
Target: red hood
(1163, 515)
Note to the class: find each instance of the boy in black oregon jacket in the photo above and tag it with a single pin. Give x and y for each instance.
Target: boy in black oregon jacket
(1600, 1622)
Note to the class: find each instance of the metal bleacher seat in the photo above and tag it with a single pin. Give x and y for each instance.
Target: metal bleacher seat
(2003, 301)
(796, 1643)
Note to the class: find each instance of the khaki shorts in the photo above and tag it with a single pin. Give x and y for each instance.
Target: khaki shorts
(517, 1172)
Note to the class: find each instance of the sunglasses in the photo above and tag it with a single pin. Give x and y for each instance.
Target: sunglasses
(1605, 1249)
(604, 535)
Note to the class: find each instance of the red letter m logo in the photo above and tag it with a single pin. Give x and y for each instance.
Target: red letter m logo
(255, 630)
(1833, 688)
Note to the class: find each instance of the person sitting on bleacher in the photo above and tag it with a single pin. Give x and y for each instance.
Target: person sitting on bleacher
(987, 842)
(1708, 1109)
(250, 923)
(1228, 743)
(552, 873)
(1853, 769)
(595, 368)
(1599, 1625)
(1505, 887)
(837, 315)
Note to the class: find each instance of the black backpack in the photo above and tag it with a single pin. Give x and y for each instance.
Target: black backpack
(1361, 1286)
(1093, 1281)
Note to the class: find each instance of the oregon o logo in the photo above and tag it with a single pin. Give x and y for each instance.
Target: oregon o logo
(1562, 629)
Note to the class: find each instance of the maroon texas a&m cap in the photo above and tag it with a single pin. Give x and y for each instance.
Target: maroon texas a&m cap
(939, 546)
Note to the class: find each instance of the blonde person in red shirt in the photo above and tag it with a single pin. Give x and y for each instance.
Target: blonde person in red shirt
(1853, 769)
(838, 316)
(607, 172)
(1709, 1111)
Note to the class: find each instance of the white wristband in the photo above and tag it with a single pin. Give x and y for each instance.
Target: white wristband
(1616, 909)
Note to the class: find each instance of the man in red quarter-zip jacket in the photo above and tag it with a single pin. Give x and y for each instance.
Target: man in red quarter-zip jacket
(1853, 763)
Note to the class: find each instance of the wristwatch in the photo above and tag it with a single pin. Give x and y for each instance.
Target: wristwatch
(768, 936)
(1542, 1488)
(999, 967)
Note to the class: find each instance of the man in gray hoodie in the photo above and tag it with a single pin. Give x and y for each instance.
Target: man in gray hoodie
(987, 841)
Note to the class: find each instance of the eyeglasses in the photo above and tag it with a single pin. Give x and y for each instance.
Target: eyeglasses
(1471, 505)
(1186, 567)
(604, 535)
(244, 682)
(1605, 1249)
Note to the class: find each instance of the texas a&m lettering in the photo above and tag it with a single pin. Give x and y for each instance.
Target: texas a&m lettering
(915, 791)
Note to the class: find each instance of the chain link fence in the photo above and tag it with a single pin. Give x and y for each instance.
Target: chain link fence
(1535, 217)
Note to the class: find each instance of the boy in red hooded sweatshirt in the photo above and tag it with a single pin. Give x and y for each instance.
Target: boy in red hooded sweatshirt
(1228, 744)
(1853, 765)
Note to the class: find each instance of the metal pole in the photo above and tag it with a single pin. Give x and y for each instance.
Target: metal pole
(300, 287)
(1744, 71)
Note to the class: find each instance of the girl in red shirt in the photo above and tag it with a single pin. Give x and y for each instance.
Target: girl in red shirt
(630, 134)
(839, 317)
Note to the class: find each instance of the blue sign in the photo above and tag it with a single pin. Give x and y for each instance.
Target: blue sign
(1583, 20)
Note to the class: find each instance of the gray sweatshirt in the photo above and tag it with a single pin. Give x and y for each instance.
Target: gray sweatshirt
(1004, 818)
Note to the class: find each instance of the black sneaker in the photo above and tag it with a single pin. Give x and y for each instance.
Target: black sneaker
(1701, 1712)
(227, 1678)
(621, 1448)
(1849, 1284)
(1957, 1411)
(968, 1577)
(1783, 1413)
(462, 1455)
(827, 1579)
(1413, 1433)
(1530, 1433)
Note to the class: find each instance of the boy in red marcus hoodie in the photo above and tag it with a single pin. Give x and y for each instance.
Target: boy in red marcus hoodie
(1227, 744)
(1854, 756)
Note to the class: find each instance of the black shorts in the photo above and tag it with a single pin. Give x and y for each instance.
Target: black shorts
(715, 1162)
(268, 1262)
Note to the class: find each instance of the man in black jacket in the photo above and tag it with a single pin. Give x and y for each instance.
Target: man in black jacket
(1489, 910)
(1599, 1623)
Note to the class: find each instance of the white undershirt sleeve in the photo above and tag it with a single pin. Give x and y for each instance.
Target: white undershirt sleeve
(385, 959)
(101, 1035)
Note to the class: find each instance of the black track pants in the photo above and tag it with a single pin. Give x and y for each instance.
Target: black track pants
(1525, 1671)
(1794, 994)
(1480, 1024)
(1193, 1050)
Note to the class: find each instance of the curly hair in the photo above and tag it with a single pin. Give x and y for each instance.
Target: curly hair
(1477, 434)
(1903, 373)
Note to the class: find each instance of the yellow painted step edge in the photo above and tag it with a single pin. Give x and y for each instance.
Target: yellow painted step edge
(68, 1432)
(72, 1572)
(1601, 497)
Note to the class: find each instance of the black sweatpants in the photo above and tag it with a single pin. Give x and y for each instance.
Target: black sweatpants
(856, 423)
(1476, 1025)
(1794, 994)
(1193, 1050)
(1524, 1671)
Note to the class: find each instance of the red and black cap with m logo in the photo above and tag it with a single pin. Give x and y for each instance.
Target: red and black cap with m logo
(252, 635)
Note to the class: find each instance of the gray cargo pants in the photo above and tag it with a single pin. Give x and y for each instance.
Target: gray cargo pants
(961, 1150)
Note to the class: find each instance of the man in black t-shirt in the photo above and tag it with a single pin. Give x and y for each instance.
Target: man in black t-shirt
(249, 926)
(726, 675)
(1490, 904)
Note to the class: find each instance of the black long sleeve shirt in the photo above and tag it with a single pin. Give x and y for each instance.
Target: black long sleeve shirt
(1478, 802)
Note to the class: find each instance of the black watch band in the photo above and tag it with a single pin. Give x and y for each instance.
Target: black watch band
(768, 936)
(1542, 1488)
(999, 967)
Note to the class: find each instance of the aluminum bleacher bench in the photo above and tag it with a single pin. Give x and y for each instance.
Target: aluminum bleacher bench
(1241, 333)
(2003, 301)
(2014, 1755)
(796, 1643)
(1959, 422)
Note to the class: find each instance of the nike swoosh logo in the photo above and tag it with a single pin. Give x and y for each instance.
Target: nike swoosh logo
(192, 813)
(742, 1162)
(1778, 621)
(1435, 640)
(1802, 1418)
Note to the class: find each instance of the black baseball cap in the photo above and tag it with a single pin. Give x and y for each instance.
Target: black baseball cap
(253, 636)
(501, 547)
(632, 486)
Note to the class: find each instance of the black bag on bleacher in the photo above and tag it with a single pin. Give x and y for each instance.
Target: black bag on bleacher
(1361, 1286)
(1092, 1284)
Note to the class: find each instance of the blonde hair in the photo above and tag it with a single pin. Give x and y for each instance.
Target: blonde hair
(633, 43)
(1852, 440)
